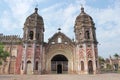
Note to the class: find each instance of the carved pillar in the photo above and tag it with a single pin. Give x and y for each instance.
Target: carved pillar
(34, 37)
(25, 62)
(40, 61)
(94, 59)
(33, 57)
(77, 59)
(86, 61)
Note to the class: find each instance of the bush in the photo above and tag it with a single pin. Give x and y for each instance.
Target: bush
(3, 54)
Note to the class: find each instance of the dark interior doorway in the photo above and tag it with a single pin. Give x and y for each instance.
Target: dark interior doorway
(59, 69)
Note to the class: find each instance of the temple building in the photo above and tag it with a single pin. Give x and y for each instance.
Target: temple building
(60, 55)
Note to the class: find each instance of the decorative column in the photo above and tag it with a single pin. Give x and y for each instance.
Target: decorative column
(77, 59)
(33, 59)
(25, 62)
(40, 61)
(86, 61)
(94, 60)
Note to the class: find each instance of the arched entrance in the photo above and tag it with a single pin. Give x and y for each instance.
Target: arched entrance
(59, 64)
(90, 67)
(29, 67)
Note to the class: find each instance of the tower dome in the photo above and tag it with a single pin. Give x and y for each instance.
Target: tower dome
(83, 19)
(34, 20)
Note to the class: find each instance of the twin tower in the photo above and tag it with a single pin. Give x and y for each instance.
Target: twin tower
(60, 55)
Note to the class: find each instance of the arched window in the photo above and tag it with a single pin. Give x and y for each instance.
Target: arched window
(82, 66)
(59, 40)
(87, 35)
(36, 65)
(90, 67)
(31, 35)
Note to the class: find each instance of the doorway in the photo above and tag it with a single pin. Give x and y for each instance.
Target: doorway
(29, 67)
(90, 67)
(59, 64)
(59, 69)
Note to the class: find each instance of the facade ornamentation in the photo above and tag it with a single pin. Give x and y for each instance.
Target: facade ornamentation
(60, 55)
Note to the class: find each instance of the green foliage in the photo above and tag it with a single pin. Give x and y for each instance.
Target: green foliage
(3, 54)
(0, 62)
(116, 55)
(101, 62)
(1, 50)
(109, 66)
(101, 59)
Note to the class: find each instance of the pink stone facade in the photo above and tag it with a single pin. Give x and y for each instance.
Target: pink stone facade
(60, 55)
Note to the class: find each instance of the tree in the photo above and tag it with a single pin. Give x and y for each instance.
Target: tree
(116, 55)
(108, 66)
(101, 62)
(3, 54)
(101, 59)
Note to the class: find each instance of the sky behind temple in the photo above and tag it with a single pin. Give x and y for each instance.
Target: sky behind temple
(62, 13)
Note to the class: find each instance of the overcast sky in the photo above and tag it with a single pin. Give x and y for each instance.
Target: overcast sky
(62, 13)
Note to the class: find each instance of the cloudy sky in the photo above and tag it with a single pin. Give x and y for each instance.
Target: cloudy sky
(62, 13)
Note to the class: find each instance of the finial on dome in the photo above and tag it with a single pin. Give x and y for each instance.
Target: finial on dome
(36, 9)
(59, 29)
(82, 8)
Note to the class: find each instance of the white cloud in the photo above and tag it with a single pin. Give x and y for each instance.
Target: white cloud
(106, 20)
(6, 21)
(13, 17)
(107, 23)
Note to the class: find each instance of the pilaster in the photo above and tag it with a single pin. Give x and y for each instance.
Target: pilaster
(86, 61)
(33, 57)
(25, 62)
(94, 60)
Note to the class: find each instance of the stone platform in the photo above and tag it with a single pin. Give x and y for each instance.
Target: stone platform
(108, 76)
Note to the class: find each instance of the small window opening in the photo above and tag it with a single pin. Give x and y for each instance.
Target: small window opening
(31, 35)
(53, 42)
(59, 40)
(87, 35)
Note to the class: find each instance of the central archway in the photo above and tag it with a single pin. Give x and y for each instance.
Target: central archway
(59, 64)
